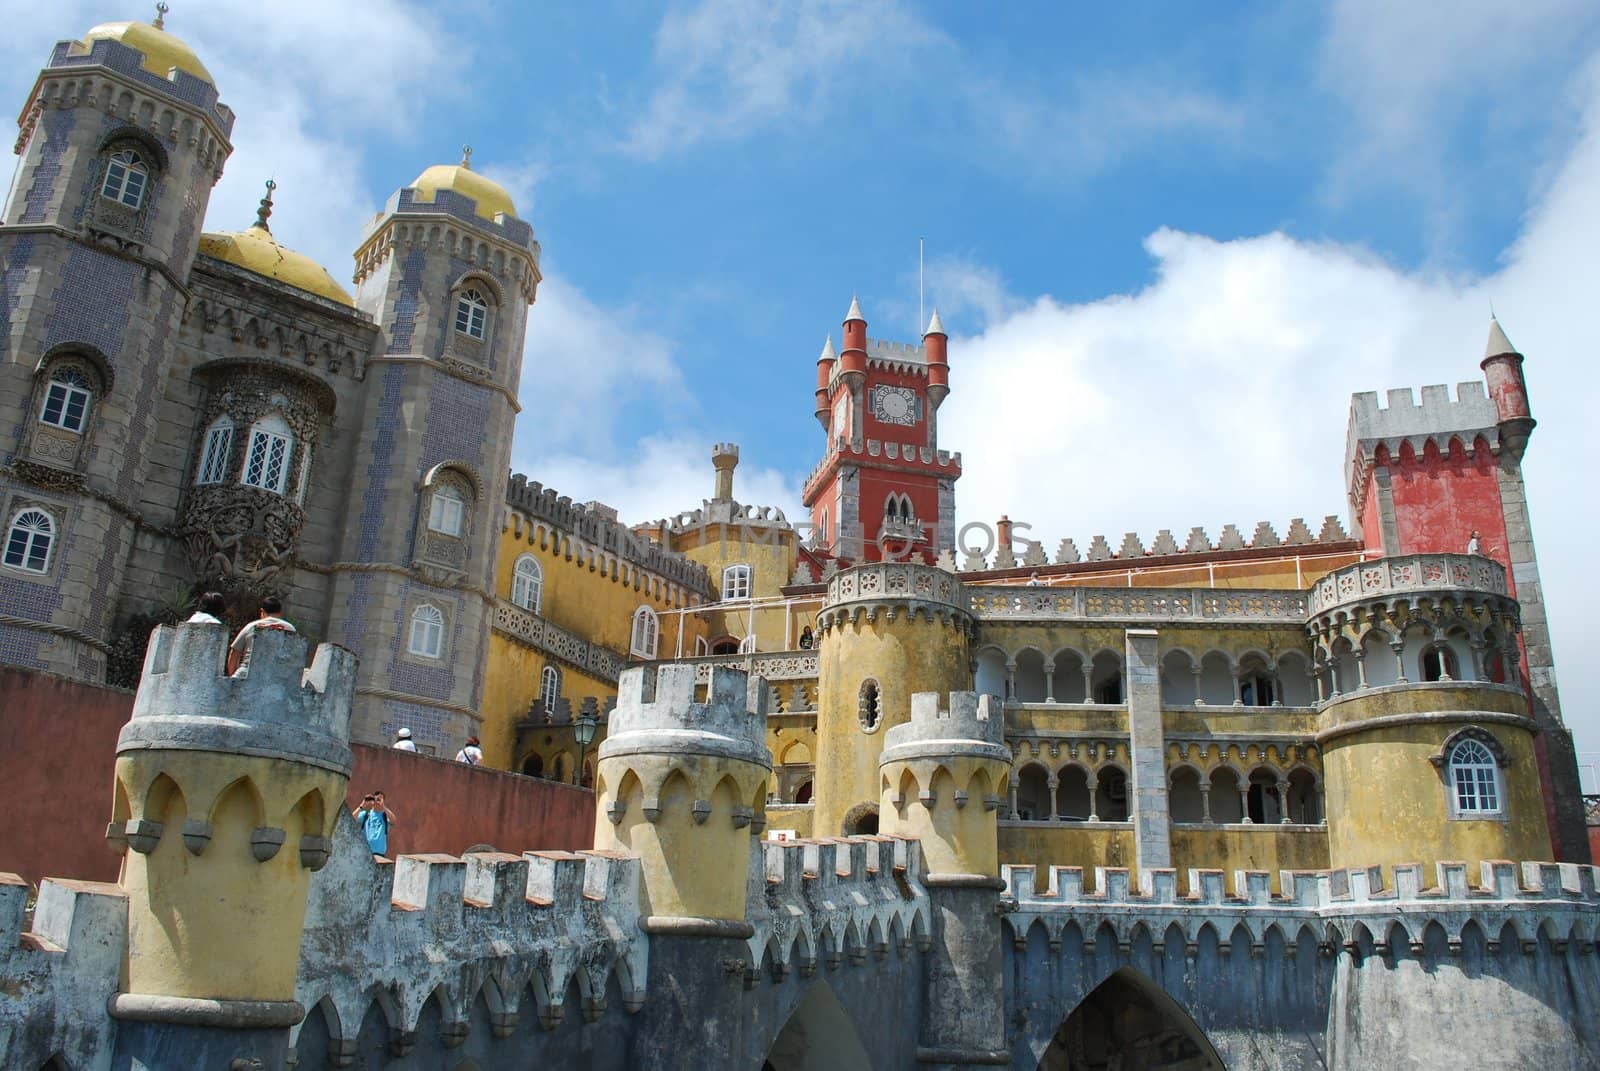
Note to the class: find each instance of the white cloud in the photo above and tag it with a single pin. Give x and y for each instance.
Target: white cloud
(661, 476)
(729, 68)
(1220, 392)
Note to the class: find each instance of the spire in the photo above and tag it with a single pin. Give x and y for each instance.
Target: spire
(1498, 342)
(828, 353)
(160, 22)
(935, 325)
(266, 207)
(855, 311)
(466, 157)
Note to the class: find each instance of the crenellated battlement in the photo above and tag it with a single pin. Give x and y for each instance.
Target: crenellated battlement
(968, 719)
(656, 713)
(534, 933)
(833, 901)
(1348, 908)
(1403, 423)
(274, 705)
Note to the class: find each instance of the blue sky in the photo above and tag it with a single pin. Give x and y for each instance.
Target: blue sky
(1169, 241)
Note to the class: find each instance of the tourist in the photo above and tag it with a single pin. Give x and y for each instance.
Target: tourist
(1473, 547)
(374, 818)
(269, 618)
(471, 754)
(211, 608)
(403, 741)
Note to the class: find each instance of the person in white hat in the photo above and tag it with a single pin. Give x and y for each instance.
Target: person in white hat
(403, 741)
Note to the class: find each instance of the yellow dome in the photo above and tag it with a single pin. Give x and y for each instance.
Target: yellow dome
(256, 250)
(491, 197)
(162, 51)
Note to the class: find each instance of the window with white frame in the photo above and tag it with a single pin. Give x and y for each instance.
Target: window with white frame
(735, 582)
(1475, 779)
(214, 451)
(747, 645)
(66, 400)
(472, 313)
(126, 179)
(646, 630)
(28, 540)
(266, 464)
(527, 583)
(447, 510)
(427, 632)
(549, 689)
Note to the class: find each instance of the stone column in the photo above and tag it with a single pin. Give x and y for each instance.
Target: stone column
(1283, 802)
(1199, 699)
(1049, 682)
(1088, 682)
(1152, 820)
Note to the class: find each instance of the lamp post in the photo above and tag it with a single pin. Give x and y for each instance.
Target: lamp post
(583, 727)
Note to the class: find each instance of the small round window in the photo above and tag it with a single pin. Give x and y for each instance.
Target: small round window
(870, 705)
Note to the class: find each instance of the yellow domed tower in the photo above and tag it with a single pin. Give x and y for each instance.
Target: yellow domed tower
(886, 631)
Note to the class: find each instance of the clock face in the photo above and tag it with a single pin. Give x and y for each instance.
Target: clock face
(895, 405)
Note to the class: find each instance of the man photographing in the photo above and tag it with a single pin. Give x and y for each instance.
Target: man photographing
(374, 819)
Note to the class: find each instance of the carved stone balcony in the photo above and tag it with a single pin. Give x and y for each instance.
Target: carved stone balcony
(1467, 577)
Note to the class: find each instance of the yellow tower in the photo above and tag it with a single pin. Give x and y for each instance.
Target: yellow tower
(942, 774)
(1427, 747)
(227, 790)
(886, 631)
(684, 786)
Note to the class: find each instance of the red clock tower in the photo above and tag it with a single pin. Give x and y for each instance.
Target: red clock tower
(884, 489)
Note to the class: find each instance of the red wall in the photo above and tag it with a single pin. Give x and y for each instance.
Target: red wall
(58, 742)
(1440, 499)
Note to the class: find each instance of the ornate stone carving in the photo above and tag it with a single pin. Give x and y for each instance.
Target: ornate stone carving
(240, 536)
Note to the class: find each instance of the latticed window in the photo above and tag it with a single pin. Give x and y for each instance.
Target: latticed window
(1476, 779)
(267, 463)
(214, 452)
(28, 540)
(427, 632)
(869, 704)
(126, 179)
(527, 583)
(549, 689)
(66, 400)
(736, 582)
(472, 313)
(645, 632)
(446, 511)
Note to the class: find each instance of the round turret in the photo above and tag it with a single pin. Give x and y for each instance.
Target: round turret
(886, 631)
(936, 344)
(684, 785)
(227, 791)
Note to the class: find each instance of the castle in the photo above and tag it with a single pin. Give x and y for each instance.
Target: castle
(1187, 803)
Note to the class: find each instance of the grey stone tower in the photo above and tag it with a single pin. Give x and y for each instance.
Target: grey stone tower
(448, 272)
(121, 141)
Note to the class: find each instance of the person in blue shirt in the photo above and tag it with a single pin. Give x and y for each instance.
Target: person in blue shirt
(374, 819)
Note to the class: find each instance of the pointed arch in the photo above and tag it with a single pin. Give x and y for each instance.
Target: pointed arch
(1125, 1014)
(818, 1035)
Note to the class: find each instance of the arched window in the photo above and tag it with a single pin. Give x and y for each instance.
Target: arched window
(1255, 688)
(549, 689)
(891, 510)
(472, 313)
(1475, 778)
(28, 540)
(700, 646)
(747, 645)
(822, 531)
(527, 584)
(645, 631)
(735, 582)
(66, 400)
(1439, 664)
(427, 632)
(126, 179)
(266, 465)
(446, 510)
(214, 452)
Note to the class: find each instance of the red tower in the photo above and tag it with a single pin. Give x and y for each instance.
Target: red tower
(884, 489)
(1446, 476)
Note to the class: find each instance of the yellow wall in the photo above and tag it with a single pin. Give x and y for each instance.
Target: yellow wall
(904, 657)
(1082, 844)
(1239, 847)
(587, 601)
(771, 557)
(1386, 803)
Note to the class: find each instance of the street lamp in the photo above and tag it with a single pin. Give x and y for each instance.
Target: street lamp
(583, 728)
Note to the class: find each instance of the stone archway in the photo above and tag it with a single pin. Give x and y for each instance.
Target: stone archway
(1128, 1023)
(818, 1036)
(860, 820)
